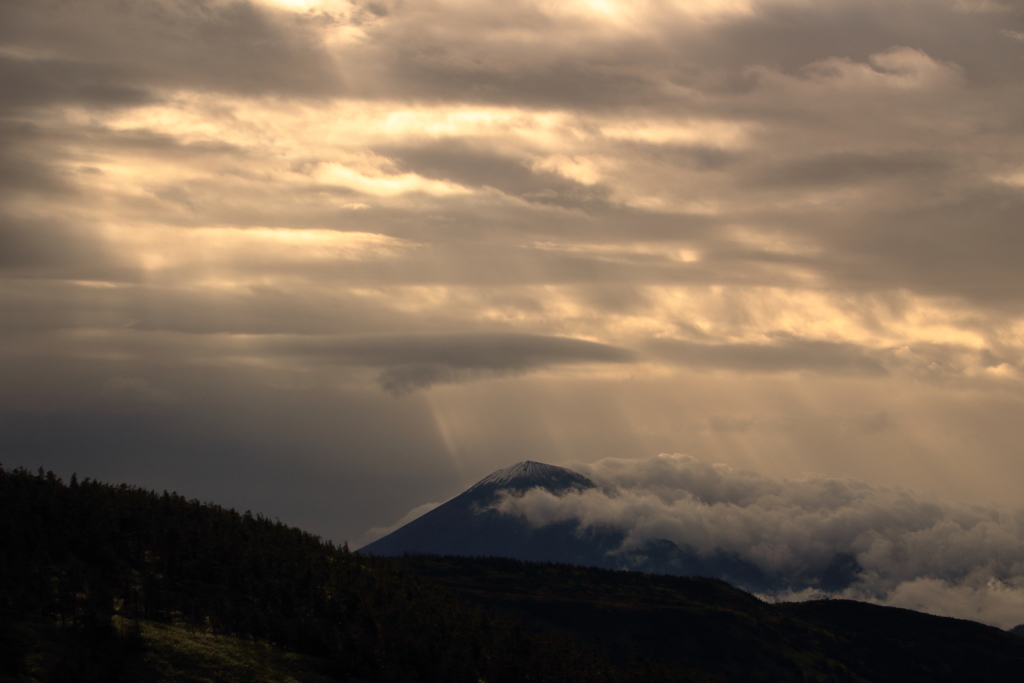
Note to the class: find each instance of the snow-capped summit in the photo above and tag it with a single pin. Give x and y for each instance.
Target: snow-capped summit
(529, 474)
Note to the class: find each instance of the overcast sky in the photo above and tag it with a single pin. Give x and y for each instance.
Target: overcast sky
(333, 261)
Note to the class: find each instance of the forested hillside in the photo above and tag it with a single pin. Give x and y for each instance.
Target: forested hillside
(709, 625)
(76, 555)
(99, 582)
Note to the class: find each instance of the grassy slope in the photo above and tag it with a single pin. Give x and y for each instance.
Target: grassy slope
(162, 653)
(177, 654)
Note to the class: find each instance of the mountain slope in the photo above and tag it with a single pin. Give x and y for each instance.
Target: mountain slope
(468, 525)
(465, 525)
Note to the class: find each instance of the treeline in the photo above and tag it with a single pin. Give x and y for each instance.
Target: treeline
(80, 563)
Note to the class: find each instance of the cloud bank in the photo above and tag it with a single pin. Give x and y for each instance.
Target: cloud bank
(913, 551)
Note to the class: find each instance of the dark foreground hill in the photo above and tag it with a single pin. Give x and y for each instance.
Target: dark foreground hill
(708, 624)
(91, 574)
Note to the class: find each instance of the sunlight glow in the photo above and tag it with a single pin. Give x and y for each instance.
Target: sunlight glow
(709, 133)
(384, 185)
(207, 251)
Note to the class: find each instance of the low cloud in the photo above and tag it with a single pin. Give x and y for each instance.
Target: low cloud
(910, 550)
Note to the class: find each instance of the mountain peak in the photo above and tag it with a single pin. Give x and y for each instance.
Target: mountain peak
(468, 524)
(527, 474)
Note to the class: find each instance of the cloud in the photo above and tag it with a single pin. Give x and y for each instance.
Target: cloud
(45, 82)
(783, 352)
(786, 354)
(847, 168)
(910, 550)
(108, 53)
(48, 247)
(456, 161)
(414, 362)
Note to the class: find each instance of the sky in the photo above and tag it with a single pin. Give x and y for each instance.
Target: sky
(335, 261)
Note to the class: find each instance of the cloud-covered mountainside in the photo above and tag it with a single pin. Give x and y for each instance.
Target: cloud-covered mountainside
(810, 538)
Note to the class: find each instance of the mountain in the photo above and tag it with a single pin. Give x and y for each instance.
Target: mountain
(468, 525)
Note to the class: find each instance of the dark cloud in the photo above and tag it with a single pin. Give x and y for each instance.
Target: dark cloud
(408, 378)
(565, 83)
(113, 52)
(21, 174)
(486, 351)
(853, 168)
(161, 145)
(46, 82)
(419, 361)
(966, 245)
(694, 157)
(47, 245)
